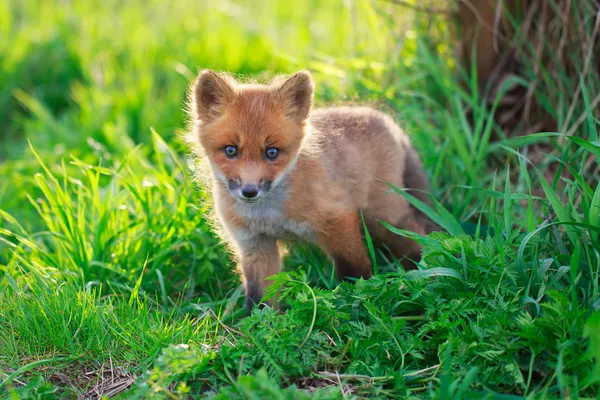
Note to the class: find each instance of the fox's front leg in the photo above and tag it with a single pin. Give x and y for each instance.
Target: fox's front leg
(342, 240)
(258, 259)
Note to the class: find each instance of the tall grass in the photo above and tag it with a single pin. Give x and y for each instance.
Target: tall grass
(107, 262)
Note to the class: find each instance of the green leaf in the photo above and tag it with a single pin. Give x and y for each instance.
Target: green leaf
(369, 244)
(592, 332)
(561, 212)
(433, 272)
(592, 147)
(440, 215)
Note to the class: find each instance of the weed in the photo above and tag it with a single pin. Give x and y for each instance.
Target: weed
(112, 282)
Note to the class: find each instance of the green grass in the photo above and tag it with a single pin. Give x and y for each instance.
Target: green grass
(111, 280)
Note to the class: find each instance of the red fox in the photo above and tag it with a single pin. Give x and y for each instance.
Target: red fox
(280, 170)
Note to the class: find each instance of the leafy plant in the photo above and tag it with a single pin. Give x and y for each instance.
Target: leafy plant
(112, 282)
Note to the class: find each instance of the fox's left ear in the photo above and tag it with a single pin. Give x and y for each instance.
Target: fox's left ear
(297, 94)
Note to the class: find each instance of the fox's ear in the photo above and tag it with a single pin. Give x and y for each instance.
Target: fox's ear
(297, 94)
(211, 93)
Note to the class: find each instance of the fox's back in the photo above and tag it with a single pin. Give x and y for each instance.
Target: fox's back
(360, 146)
(356, 123)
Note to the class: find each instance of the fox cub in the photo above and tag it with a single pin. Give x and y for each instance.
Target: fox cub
(280, 171)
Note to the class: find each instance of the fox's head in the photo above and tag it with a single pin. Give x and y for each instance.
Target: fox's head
(251, 134)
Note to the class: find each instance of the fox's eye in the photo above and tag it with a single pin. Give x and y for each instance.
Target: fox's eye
(230, 151)
(271, 153)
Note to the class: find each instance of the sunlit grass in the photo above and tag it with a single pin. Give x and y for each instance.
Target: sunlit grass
(108, 263)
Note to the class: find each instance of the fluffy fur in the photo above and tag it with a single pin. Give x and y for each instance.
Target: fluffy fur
(330, 164)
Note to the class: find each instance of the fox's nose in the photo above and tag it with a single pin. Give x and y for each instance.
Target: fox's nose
(249, 191)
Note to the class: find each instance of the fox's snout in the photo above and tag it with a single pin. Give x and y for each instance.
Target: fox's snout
(248, 191)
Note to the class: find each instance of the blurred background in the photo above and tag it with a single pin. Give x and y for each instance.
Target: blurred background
(112, 69)
(103, 226)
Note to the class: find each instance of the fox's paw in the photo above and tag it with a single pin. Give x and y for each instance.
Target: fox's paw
(346, 269)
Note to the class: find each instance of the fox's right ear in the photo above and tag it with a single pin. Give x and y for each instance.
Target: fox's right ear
(211, 93)
(297, 94)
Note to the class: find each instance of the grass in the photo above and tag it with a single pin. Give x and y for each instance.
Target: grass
(112, 282)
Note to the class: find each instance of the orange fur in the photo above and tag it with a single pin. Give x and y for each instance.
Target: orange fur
(330, 163)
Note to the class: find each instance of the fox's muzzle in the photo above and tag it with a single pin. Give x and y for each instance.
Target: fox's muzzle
(248, 191)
